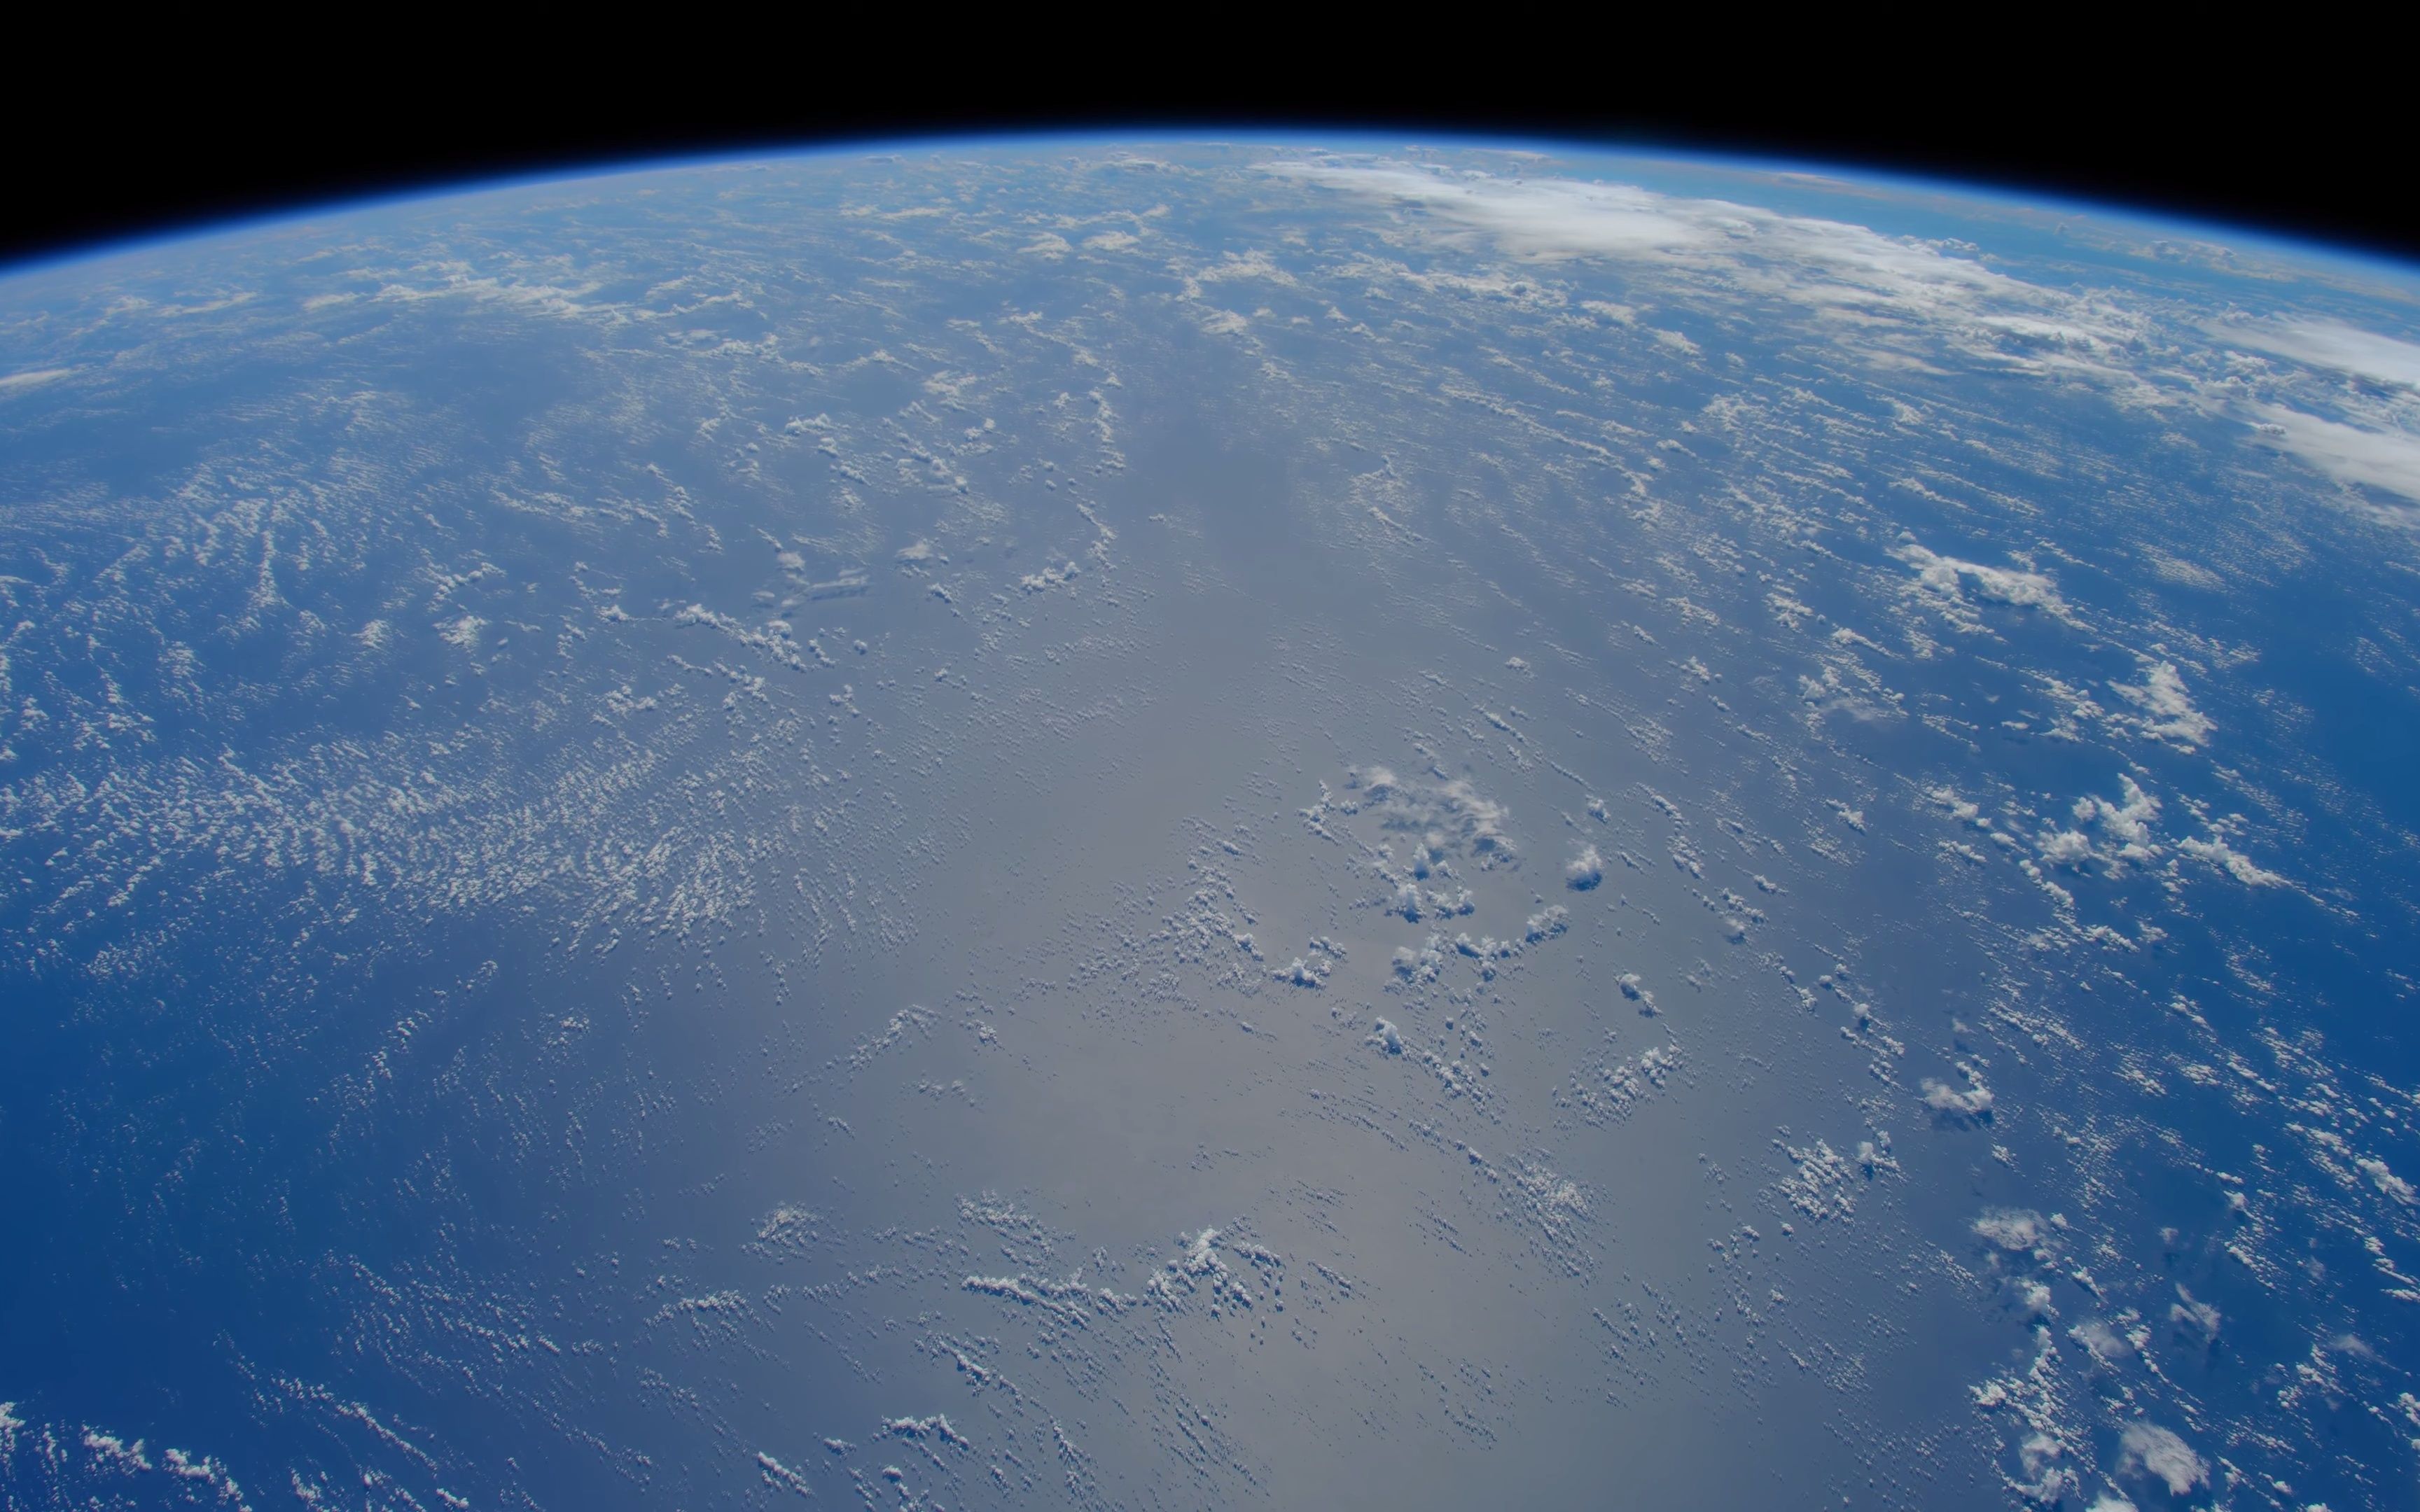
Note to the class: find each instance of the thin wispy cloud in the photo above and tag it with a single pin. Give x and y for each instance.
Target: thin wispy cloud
(19, 382)
(1896, 287)
(2338, 347)
(2383, 459)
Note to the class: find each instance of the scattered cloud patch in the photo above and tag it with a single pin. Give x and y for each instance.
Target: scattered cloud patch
(1446, 817)
(1970, 1104)
(2216, 851)
(2152, 1453)
(2167, 713)
(1946, 575)
(1871, 290)
(2014, 1229)
(2125, 830)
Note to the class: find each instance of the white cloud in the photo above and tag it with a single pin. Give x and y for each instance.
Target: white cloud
(2388, 1181)
(1867, 281)
(19, 382)
(1975, 1101)
(2216, 851)
(2011, 1228)
(1536, 217)
(1637, 992)
(2000, 585)
(2382, 459)
(2105, 1343)
(2169, 715)
(2191, 1314)
(2125, 827)
(1449, 816)
(1586, 870)
(2332, 345)
(2150, 1451)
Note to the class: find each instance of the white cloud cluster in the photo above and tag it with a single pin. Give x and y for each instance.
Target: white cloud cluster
(2015, 1229)
(1546, 923)
(1942, 575)
(1873, 291)
(1450, 817)
(462, 633)
(2101, 1341)
(2125, 827)
(1900, 300)
(1971, 1103)
(1423, 964)
(2380, 448)
(2167, 713)
(2388, 1181)
(1533, 217)
(1304, 971)
(2150, 1452)
(2217, 853)
(1201, 1270)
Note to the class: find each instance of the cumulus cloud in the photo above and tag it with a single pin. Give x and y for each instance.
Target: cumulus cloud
(2167, 713)
(2150, 1451)
(2000, 585)
(1423, 964)
(2388, 1181)
(2125, 830)
(1971, 1103)
(1586, 870)
(2104, 1343)
(1309, 972)
(2011, 1228)
(2217, 853)
(1449, 816)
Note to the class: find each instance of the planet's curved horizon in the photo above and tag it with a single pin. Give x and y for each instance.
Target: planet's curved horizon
(2279, 234)
(1114, 821)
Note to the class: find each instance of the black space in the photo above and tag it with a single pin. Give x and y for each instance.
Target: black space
(188, 147)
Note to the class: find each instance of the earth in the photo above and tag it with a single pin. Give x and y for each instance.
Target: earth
(1111, 824)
